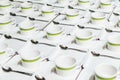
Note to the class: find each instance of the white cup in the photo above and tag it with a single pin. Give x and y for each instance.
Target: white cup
(106, 4)
(65, 65)
(48, 11)
(5, 21)
(5, 6)
(26, 7)
(63, 2)
(30, 57)
(84, 3)
(72, 14)
(54, 32)
(105, 72)
(83, 37)
(27, 27)
(98, 18)
(113, 43)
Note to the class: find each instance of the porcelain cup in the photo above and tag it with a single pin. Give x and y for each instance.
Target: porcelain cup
(47, 11)
(30, 56)
(106, 72)
(27, 27)
(6, 21)
(5, 6)
(65, 65)
(98, 18)
(83, 37)
(26, 7)
(72, 14)
(54, 32)
(113, 43)
(84, 3)
(106, 4)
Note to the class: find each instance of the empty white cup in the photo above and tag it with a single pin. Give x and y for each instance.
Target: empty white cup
(98, 18)
(27, 27)
(84, 3)
(105, 72)
(106, 4)
(113, 43)
(48, 11)
(30, 56)
(5, 6)
(26, 7)
(83, 37)
(5, 21)
(72, 14)
(54, 32)
(65, 65)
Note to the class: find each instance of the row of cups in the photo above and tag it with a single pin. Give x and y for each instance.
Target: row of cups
(54, 32)
(102, 4)
(82, 37)
(6, 6)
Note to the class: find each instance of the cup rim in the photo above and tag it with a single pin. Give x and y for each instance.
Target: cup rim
(49, 30)
(44, 9)
(28, 26)
(105, 2)
(94, 16)
(32, 58)
(8, 3)
(87, 31)
(97, 72)
(23, 5)
(69, 14)
(65, 67)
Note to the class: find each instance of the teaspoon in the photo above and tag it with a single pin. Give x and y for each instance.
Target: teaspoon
(98, 55)
(9, 69)
(65, 48)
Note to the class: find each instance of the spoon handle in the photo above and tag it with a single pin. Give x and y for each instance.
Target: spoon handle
(25, 73)
(78, 50)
